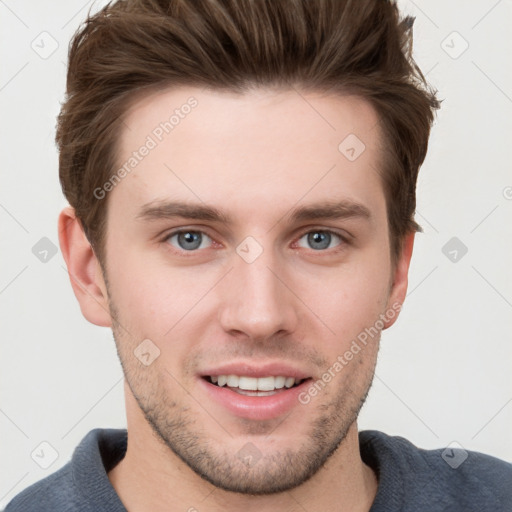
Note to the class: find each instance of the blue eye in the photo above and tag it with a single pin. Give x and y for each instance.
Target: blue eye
(189, 240)
(320, 240)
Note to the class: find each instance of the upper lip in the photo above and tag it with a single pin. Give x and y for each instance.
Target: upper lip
(275, 369)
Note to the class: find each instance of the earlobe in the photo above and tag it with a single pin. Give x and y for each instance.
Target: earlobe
(84, 269)
(400, 281)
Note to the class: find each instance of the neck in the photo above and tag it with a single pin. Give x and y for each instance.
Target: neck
(152, 478)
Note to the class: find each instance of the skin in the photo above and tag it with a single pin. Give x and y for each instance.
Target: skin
(256, 157)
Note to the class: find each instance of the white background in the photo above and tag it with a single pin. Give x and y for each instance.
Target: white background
(444, 371)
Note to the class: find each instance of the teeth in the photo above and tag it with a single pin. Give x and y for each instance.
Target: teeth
(289, 382)
(248, 383)
(253, 383)
(263, 383)
(233, 381)
(279, 382)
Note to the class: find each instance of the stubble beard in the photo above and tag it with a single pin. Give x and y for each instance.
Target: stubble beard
(177, 426)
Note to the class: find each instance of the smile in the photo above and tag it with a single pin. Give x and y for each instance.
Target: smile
(253, 398)
(253, 386)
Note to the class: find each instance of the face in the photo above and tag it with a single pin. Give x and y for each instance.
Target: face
(247, 254)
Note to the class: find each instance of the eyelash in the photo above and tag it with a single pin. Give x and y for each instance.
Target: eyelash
(345, 240)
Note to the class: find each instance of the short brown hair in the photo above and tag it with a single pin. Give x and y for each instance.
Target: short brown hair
(357, 47)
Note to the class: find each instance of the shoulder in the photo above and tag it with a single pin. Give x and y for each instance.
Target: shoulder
(454, 478)
(82, 484)
(51, 493)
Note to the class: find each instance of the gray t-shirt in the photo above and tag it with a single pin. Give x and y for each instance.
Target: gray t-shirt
(410, 479)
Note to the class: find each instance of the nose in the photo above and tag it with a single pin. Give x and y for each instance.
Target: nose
(256, 301)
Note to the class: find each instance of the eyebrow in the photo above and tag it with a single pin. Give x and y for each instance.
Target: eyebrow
(334, 210)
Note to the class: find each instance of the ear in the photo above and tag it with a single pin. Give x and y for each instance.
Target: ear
(84, 270)
(400, 280)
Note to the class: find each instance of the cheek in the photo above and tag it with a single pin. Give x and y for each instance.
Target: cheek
(350, 319)
(157, 301)
(351, 300)
(143, 295)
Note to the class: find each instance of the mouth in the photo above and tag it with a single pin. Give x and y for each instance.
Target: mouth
(254, 386)
(260, 396)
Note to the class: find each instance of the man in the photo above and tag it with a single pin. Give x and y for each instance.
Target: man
(242, 178)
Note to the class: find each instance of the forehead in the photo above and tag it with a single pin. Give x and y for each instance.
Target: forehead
(254, 153)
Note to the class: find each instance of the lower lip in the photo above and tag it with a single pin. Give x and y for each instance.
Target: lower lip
(255, 407)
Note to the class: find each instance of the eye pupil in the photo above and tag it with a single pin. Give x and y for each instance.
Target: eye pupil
(189, 240)
(319, 240)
